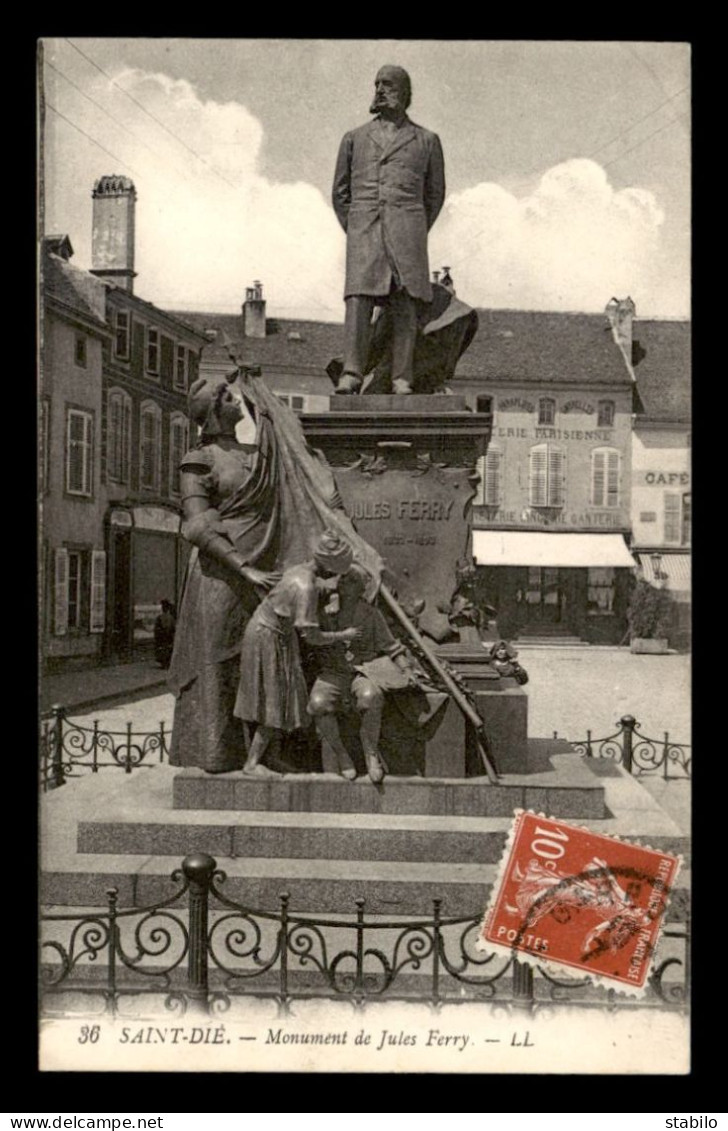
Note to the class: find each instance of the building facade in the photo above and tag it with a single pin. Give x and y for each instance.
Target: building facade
(131, 429)
(74, 334)
(551, 523)
(661, 466)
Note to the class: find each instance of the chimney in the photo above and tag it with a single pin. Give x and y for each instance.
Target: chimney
(112, 239)
(621, 312)
(446, 279)
(436, 276)
(254, 311)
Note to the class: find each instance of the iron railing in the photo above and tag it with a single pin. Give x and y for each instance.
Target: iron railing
(67, 748)
(640, 755)
(199, 950)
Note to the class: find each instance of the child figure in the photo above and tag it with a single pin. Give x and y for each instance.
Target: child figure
(503, 658)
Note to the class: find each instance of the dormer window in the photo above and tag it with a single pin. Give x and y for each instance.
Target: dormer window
(546, 411)
(605, 417)
(152, 351)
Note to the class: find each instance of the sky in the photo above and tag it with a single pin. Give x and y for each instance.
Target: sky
(567, 165)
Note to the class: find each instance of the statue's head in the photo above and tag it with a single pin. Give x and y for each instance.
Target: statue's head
(332, 553)
(354, 582)
(392, 90)
(215, 406)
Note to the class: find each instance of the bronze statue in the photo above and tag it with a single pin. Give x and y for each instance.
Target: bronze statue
(355, 675)
(389, 187)
(229, 499)
(272, 691)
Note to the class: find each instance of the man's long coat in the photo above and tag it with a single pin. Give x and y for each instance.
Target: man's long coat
(387, 197)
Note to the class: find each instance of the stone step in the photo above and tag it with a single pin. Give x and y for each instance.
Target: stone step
(336, 836)
(315, 886)
(325, 836)
(563, 791)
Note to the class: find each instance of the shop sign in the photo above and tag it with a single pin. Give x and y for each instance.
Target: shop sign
(664, 478)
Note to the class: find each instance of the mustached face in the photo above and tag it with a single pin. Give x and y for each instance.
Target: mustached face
(389, 91)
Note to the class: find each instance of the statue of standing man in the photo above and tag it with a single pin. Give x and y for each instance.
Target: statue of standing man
(389, 187)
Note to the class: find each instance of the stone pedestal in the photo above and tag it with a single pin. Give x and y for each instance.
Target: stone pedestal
(406, 470)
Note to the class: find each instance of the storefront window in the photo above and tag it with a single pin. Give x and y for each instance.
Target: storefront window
(600, 591)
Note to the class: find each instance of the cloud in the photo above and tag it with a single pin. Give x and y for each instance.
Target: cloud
(208, 221)
(571, 244)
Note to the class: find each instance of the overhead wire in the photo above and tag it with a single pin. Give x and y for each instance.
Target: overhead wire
(153, 117)
(115, 156)
(102, 108)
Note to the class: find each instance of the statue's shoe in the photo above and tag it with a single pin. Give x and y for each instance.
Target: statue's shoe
(375, 769)
(261, 772)
(401, 386)
(348, 383)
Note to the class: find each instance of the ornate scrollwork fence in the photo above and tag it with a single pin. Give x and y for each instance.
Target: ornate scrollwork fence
(640, 755)
(199, 949)
(67, 748)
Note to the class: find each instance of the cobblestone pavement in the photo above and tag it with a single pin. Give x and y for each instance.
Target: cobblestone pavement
(570, 690)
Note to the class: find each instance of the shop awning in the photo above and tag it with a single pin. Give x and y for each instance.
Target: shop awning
(536, 548)
(675, 569)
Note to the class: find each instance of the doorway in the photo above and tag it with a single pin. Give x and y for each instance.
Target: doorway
(544, 597)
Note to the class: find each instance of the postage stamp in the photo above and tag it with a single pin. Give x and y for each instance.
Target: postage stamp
(569, 897)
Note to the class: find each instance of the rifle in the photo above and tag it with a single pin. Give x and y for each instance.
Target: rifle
(460, 695)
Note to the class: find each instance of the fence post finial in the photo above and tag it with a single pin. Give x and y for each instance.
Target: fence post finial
(198, 870)
(628, 723)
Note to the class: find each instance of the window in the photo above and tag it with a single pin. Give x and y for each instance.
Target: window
(546, 410)
(79, 591)
(686, 520)
(547, 472)
(605, 477)
(600, 591)
(75, 573)
(605, 414)
(118, 445)
(152, 350)
(150, 446)
(79, 469)
(293, 400)
(80, 350)
(97, 609)
(121, 340)
(677, 519)
(484, 404)
(490, 471)
(45, 439)
(60, 593)
(180, 369)
(178, 444)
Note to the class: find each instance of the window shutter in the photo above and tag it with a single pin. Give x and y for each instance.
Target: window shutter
(97, 612)
(492, 483)
(598, 478)
(556, 475)
(60, 603)
(125, 440)
(673, 516)
(537, 477)
(612, 499)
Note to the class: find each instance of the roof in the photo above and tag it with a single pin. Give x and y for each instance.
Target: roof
(544, 347)
(288, 344)
(510, 346)
(75, 289)
(661, 359)
(128, 298)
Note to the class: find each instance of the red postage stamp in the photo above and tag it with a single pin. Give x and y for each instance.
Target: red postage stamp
(569, 897)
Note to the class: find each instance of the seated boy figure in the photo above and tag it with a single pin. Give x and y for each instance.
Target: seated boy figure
(354, 676)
